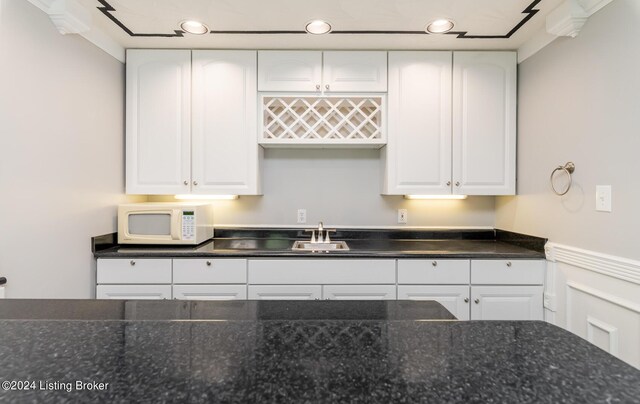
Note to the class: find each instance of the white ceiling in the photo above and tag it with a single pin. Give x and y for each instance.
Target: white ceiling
(475, 17)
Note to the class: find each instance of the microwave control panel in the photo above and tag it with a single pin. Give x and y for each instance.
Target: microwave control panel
(188, 225)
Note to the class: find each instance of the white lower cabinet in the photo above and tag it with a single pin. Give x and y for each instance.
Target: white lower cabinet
(506, 302)
(134, 292)
(285, 292)
(359, 292)
(454, 298)
(469, 289)
(210, 292)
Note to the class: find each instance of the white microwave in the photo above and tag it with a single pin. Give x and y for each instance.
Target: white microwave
(165, 223)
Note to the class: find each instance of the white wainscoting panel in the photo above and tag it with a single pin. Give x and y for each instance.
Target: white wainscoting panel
(597, 297)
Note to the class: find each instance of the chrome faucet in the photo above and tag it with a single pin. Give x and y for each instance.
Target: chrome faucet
(323, 234)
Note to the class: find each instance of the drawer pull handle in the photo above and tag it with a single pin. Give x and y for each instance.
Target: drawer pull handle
(317, 86)
(466, 300)
(132, 262)
(208, 263)
(434, 263)
(509, 264)
(477, 301)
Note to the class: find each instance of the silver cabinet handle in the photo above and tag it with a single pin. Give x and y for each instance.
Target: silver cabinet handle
(327, 86)
(466, 300)
(477, 301)
(132, 262)
(195, 182)
(208, 263)
(457, 183)
(185, 182)
(509, 264)
(317, 86)
(434, 263)
(448, 183)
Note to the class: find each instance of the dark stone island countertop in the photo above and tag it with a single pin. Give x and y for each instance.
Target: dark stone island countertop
(464, 244)
(281, 352)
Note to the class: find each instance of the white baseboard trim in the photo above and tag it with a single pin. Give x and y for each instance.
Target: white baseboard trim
(610, 265)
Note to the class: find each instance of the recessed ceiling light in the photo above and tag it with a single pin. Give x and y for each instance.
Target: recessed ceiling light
(318, 27)
(194, 27)
(440, 26)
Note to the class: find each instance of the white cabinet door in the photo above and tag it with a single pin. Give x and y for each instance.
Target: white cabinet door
(158, 121)
(506, 303)
(285, 292)
(349, 71)
(210, 292)
(290, 71)
(418, 152)
(484, 123)
(359, 292)
(133, 292)
(225, 152)
(453, 298)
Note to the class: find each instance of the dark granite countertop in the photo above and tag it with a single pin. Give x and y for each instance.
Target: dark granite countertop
(476, 244)
(367, 359)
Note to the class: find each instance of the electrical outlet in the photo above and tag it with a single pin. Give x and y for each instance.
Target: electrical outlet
(603, 198)
(402, 216)
(302, 216)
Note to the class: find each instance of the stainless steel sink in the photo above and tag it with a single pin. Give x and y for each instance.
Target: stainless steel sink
(324, 247)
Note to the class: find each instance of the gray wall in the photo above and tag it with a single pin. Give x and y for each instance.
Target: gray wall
(61, 139)
(579, 100)
(340, 186)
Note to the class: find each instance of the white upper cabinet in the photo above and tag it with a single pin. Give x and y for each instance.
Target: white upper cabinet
(290, 71)
(484, 123)
(225, 152)
(452, 126)
(348, 71)
(177, 144)
(418, 151)
(158, 121)
(317, 71)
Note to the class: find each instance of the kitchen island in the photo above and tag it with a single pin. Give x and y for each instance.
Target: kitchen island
(317, 351)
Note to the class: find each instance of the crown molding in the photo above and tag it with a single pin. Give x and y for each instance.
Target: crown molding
(565, 20)
(70, 17)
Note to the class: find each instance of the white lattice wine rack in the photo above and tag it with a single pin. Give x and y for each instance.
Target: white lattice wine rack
(333, 120)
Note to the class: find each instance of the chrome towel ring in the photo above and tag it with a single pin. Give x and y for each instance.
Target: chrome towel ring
(568, 168)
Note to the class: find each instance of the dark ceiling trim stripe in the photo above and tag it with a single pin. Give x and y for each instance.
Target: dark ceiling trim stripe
(529, 12)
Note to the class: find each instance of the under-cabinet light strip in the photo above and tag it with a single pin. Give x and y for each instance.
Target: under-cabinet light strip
(441, 197)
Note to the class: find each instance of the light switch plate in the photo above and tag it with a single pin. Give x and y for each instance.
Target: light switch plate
(402, 216)
(603, 198)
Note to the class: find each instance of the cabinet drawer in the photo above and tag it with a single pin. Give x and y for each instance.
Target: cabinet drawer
(209, 271)
(210, 292)
(322, 271)
(285, 292)
(134, 271)
(433, 272)
(133, 292)
(507, 272)
(359, 292)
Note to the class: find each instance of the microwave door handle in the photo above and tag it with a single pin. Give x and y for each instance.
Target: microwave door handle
(176, 224)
